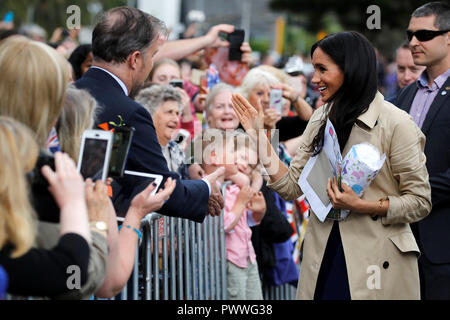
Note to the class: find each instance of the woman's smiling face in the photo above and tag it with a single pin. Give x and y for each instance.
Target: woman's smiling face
(166, 119)
(222, 115)
(328, 77)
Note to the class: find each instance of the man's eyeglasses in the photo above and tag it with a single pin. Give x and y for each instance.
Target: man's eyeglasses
(424, 35)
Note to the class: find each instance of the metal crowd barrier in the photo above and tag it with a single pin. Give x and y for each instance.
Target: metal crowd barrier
(194, 270)
(283, 292)
(179, 259)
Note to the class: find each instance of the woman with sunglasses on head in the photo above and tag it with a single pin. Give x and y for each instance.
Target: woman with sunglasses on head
(372, 254)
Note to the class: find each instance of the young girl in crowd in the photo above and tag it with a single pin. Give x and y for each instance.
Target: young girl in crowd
(242, 205)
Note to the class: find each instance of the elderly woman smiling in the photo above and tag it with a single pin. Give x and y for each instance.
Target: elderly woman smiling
(219, 109)
(165, 104)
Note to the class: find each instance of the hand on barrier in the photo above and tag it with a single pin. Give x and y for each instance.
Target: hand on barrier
(251, 118)
(145, 202)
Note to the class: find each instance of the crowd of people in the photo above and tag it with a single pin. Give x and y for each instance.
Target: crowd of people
(185, 95)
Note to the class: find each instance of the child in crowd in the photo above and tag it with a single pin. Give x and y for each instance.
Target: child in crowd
(243, 208)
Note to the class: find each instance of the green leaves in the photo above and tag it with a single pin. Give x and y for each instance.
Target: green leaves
(121, 123)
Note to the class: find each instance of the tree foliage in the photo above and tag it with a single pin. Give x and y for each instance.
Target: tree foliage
(352, 15)
(50, 14)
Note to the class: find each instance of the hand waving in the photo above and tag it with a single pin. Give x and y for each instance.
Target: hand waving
(251, 118)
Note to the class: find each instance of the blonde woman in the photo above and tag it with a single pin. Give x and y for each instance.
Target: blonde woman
(77, 115)
(36, 84)
(33, 94)
(35, 271)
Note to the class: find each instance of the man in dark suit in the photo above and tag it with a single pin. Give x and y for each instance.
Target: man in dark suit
(428, 102)
(124, 42)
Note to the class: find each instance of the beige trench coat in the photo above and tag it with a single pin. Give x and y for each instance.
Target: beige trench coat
(381, 253)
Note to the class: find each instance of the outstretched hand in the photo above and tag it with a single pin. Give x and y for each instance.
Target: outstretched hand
(251, 118)
(215, 202)
(146, 203)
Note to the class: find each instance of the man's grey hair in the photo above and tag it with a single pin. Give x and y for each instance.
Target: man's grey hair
(217, 89)
(439, 9)
(153, 97)
(123, 30)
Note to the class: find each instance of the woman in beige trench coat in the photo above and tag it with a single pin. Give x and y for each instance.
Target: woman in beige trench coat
(372, 254)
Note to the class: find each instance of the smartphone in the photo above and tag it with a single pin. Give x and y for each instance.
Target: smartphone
(95, 153)
(276, 97)
(135, 182)
(236, 38)
(41, 199)
(181, 136)
(122, 138)
(176, 83)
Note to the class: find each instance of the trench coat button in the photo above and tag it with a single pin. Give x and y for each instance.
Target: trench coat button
(375, 218)
(385, 265)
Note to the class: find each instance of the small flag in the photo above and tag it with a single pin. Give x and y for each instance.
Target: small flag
(212, 76)
(53, 142)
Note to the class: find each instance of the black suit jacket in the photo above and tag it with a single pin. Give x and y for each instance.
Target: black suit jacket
(433, 232)
(190, 197)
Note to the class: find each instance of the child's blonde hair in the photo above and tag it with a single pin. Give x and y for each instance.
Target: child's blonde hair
(78, 114)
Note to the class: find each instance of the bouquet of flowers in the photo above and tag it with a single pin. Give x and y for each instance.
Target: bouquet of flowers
(357, 170)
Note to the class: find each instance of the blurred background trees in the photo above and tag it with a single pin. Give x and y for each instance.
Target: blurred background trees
(327, 16)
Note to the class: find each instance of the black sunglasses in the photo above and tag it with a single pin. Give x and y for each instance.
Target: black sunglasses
(424, 35)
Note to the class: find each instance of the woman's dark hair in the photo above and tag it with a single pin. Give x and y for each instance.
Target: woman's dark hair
(77, 58)
(355, 56)
(123, 30)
